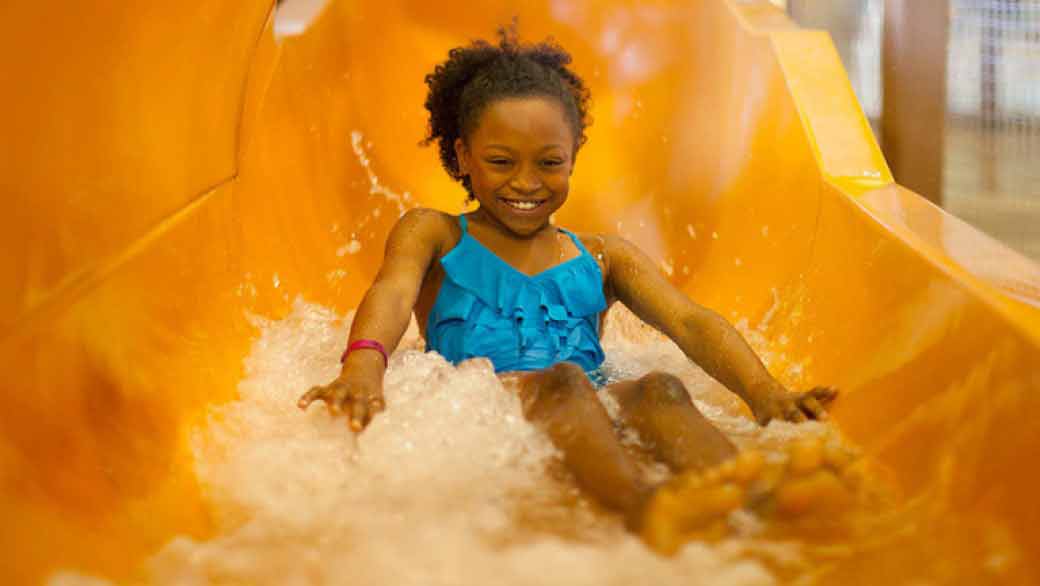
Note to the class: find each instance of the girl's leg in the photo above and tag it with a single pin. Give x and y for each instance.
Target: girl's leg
(660, 409)
(562, 401)
(715, 479)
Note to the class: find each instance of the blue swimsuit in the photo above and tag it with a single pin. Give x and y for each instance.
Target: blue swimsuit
(488, 308)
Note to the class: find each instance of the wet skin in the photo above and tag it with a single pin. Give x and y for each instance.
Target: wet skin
(519, 160)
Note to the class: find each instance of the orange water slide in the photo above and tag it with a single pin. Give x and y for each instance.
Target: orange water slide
(169, 167)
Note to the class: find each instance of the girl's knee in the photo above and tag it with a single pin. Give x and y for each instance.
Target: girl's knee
(565, 375)
(560, 383)
(662, 388)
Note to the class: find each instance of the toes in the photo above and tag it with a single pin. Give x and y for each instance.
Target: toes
(727, 470)
(696, 505)
(816, 484)
(804, 456)
(712, 476)
(743, 469)
(660, 532)
(819, 493)
(748, 466)
(720, 500)
(814, 481)
(838, 457)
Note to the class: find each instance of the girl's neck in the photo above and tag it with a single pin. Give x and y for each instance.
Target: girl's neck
(500, 230)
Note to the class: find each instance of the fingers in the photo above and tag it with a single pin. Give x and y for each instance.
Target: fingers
(364, 410)
(812, 408)
(377, 404)
(309, 397)
(811, 405)
(794, 414)
(824, 395)
(360, 405)
(814, 402)
(359, 415)
(337, 403)
(797, 407)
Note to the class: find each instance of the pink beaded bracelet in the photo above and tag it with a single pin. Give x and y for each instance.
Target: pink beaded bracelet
(362, 344)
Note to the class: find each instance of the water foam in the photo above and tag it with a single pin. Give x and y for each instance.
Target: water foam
(450, 485)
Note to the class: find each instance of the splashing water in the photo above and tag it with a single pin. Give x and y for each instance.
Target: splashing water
(374, 186)
(450, 485)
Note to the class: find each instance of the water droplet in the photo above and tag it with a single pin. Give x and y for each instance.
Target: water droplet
(352, 247)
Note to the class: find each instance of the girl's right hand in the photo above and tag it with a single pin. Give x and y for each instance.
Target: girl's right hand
(359, 400)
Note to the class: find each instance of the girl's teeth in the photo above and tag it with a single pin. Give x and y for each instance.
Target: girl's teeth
(523, 205)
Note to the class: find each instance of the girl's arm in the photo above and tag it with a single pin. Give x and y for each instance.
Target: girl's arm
(705, 337)
(383, 316)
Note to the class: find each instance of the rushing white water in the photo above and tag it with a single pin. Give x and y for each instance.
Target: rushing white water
(450, 485)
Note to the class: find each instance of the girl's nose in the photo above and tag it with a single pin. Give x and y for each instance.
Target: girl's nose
(526, 180)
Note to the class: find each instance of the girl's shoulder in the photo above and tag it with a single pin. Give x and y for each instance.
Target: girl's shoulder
(427, 216)
(594, 243)
(612, 250)
(597, 246)
(437, 228)
(601, 245)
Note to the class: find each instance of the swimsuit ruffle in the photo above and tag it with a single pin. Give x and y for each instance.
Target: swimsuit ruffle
(554, 316)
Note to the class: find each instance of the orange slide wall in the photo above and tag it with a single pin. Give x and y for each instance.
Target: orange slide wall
(168, 167)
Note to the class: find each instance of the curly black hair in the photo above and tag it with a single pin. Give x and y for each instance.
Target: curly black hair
(475, 76)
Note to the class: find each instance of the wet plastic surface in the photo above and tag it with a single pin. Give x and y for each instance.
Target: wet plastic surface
(169, 169)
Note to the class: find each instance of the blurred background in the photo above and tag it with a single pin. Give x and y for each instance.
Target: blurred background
(969, 72)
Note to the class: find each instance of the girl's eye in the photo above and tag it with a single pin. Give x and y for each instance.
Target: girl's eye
(499, 162)
(552, 163)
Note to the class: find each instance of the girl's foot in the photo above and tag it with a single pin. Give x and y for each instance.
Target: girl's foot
(814, 481)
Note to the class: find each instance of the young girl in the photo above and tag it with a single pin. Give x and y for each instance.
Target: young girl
(504, 283)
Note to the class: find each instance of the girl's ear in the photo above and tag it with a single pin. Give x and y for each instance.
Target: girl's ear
(462, 156)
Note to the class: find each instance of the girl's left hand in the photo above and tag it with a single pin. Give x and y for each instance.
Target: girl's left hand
(776, 402)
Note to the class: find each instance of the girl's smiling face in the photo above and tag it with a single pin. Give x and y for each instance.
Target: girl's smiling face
(519, 160)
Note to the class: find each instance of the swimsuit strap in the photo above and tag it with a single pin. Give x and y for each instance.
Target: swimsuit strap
(577, 241)
(462, 222)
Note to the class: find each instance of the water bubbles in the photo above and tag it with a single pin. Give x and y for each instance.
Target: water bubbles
(352, 247)
(245, 289)
(668, 267)
(335, 276)
(439, 489)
